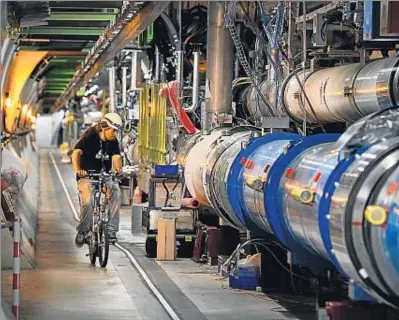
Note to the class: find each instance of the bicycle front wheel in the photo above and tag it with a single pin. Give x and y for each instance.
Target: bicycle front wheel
(93, 248)
(103, 245)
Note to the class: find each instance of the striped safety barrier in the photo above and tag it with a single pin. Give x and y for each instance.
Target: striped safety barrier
(16, 268)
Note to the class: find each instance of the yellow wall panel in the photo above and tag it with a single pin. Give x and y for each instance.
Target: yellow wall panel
(21, 68)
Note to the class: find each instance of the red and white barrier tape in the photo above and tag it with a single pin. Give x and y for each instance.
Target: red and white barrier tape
(16, 268)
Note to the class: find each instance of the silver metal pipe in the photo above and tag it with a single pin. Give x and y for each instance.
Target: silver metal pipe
(124, 86)
(157, 76)
(304, 49)
(254, 178)
(219, 61)
(302, 218)
(111, 86)
(383, 199)
(135, 72)
(195, 91)
(179, 71)
(344, 93)
(212, 154)
(354, 192)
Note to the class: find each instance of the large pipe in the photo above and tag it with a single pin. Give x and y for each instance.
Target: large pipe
(219, 63)
(332, 203)
(344, 93)
(360, 226)
(326, 201)
(207, 164)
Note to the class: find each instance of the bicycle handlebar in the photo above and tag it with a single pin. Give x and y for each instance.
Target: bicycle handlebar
(94, 174)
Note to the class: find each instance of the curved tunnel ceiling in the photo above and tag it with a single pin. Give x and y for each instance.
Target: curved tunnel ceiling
(66, 29)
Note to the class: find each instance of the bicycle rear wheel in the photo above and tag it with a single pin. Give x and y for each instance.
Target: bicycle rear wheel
(103, 245)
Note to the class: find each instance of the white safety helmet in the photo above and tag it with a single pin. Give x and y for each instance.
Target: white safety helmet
(113, 120)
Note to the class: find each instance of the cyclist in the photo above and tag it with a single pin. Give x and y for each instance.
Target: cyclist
(97, 149)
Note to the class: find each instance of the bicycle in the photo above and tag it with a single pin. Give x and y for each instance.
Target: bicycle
(98, 238)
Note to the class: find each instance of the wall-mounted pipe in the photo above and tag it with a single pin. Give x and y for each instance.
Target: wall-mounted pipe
(111, 86)
(342, 94)
(171, 92)
(179, 67)
(124, 86)
(219, 62)
(135, 71)
(157, 76)
(195, 92)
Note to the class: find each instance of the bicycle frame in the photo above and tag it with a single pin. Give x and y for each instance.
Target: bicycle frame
(100, 213)
(98, 236)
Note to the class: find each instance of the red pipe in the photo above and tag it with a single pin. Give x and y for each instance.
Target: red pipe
(171, 92)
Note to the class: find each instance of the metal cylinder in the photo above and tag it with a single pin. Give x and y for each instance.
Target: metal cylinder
(199, 156)
(344, 93)
(355, 240)
(382, 217)
(331, 203)
(254, 105)
(219, 165)
(310, 172)
(194, 160)
(254, 177)
(219, 61)
(326, 193)
(219, 184)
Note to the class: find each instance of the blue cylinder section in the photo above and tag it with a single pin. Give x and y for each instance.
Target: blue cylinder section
(254, 186)
(244, 162)
(332, 201)
(289, 187)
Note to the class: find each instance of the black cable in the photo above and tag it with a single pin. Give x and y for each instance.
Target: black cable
(252, 26)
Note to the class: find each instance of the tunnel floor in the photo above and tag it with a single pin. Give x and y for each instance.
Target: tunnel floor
(65, 286)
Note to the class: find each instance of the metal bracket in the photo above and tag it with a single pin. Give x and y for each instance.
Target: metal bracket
(275, 123)
(348, 91)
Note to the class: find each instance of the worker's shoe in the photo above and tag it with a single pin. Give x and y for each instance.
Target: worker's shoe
(80, 239)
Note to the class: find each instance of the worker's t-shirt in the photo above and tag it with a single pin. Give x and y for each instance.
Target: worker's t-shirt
(92, 147)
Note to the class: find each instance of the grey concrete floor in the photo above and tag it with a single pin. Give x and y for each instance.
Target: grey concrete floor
(65, 286)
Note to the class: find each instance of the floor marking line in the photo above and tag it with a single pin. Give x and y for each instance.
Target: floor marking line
(159, 296)
(128, 254)
(75, 213)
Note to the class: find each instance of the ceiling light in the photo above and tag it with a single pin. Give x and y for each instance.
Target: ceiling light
(8, 101)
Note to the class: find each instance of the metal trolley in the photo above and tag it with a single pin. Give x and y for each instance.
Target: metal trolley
(165, 202)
